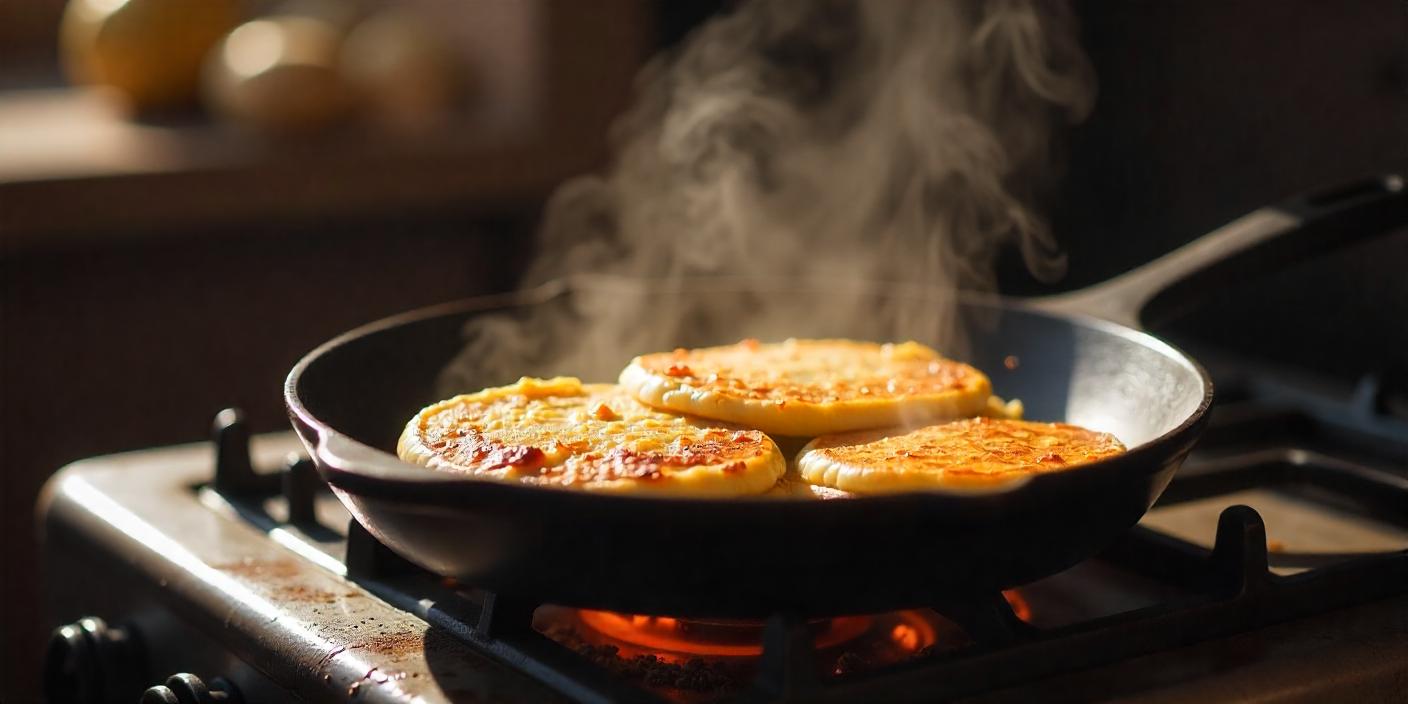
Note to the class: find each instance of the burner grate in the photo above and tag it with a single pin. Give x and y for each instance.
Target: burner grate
(1237, 593)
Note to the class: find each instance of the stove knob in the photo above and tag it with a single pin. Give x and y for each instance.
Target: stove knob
(185, 688)
(90, 661)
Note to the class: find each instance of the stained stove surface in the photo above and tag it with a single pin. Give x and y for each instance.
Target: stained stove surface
(1274, 569)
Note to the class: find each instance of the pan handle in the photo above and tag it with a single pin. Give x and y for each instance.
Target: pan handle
(1261, 241)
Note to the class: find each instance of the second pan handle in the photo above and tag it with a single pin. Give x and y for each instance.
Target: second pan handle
(1261, 241)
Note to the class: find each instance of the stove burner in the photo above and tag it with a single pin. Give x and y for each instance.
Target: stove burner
(727, 637)
(682, 655)
(713, 654)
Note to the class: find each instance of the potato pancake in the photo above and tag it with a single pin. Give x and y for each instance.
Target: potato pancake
(594, 437)
(810, 387)
(973, 453)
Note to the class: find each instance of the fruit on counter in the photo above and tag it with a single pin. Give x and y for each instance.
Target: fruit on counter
(342, 15)
(278, 74)
(149, 51)
(402, 70)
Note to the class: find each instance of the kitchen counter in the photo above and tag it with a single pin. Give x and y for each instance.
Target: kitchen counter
(73, 170)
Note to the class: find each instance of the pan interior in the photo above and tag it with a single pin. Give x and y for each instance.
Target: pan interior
(1080, 371)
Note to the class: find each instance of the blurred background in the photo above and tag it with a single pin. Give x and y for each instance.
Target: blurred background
(194, 194)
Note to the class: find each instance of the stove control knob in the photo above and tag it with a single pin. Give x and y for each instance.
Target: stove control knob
(185, 688)
(90, 661)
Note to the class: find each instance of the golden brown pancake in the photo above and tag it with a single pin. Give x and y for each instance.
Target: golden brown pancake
(594, 437)
(810, 387)
(968, 454)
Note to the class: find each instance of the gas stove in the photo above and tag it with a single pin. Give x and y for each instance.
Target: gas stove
(1274, 568)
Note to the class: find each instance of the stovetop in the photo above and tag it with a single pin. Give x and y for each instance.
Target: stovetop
(1274, 568)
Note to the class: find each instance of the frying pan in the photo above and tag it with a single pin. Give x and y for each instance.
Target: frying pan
(752, 557)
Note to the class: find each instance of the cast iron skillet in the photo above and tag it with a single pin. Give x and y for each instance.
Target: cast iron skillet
(350, 398)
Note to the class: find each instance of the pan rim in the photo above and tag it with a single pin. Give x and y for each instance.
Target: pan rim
(395, 477)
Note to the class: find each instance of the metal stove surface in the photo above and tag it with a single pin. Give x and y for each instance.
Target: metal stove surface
(130, 538)
(236, 579)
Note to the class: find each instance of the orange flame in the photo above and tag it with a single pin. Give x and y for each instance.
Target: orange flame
(905, 636)
(718, 638)
(911, 632)
(1019, 605)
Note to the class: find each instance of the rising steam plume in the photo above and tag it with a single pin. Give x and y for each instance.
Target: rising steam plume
(830, 141)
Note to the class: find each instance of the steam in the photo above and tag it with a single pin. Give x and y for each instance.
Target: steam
(824, 141)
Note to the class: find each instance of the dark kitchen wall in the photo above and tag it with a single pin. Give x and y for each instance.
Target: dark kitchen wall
(1207, 110)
